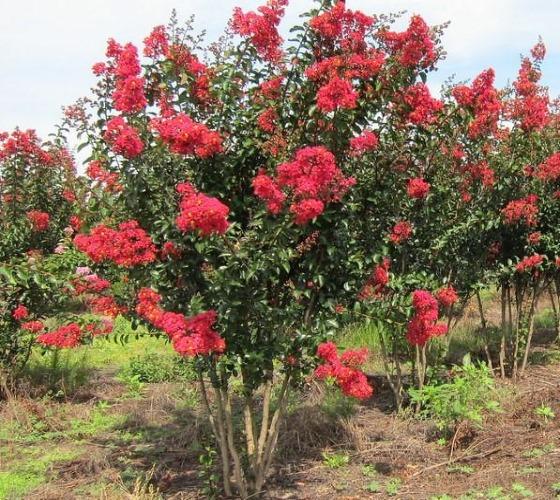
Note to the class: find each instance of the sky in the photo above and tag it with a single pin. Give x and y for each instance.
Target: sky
(49, 46)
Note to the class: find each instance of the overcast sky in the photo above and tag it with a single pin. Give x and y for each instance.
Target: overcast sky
(48, 46)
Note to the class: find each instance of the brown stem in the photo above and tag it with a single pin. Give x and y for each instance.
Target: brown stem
(218, 428)
(504, 332)
(534, 302)
(484, 326)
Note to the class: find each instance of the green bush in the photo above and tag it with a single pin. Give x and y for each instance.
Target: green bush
(466, 396)
(153, 367)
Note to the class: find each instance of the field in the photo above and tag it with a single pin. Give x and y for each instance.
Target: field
(113, 421)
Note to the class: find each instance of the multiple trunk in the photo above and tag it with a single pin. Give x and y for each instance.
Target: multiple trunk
(244, 465)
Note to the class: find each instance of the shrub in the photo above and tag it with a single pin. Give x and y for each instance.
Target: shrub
(468, 394)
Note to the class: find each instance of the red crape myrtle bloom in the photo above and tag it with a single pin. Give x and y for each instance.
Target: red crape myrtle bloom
(312, 179)
(549, 170)
(529, 263)
(414, 47)
(268, 190)
(189, 336)
(344, 370)
(524, 210)
(336, 94)
(123, 138)
(127, 246)
(377, 281)
(401, 232)
(423, 325)
(20, 312)
(33, 326)
(483, 100)
(534, 238)
(447, 296)
(417, 188)
(185, 136)
(199, 212)
(39, 220)
(26, 144)
(262, 28)
(67, 336)
(344, 27)
(361, 144)
(423, 107)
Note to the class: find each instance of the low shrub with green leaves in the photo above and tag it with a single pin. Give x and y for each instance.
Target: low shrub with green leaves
(466, 396)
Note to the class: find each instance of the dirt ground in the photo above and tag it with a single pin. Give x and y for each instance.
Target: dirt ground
(514, 455)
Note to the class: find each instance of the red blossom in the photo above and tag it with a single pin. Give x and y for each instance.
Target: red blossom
(67, 336)
(376, 282)
(447, 296)
(262, 28)
(524, 210)
(199, 212)
(344, 370)
(336, 94)
(33, 326)
(423, 107)
(156, 44)
(129, 95)
(267, 190)
(529, 263)
(417, 188)
(123, 138)
(414, 47)
(401, 232)
(20, 312)
(185, 136)
(423, 326)
(127, 246)
(39, 220)
(306, 210)
(367, 141)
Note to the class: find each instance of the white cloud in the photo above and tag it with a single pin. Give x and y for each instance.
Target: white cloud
(48, 46)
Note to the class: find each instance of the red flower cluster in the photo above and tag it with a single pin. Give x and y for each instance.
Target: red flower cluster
(549, 170)
(313, 179)
(423, 107)
(267, 190)
(90, 283)
(482, 98)
(529, 263)
(123, 138)
(377, 281)
(524, 210)
(262, 28)
(367, 141)
(96, 172)
(26, 144)
(336, 94)
(344, 370)
(530, 107)
(20, 312)
(423, 325)
(104, 327)
(417, 188)
(128, 96)
(156, 44)
(185, 136)
(189, 336)
(267, 120)
(33, 326)
(105, 306)
(127, 246)
(67, 336)
(200, 212)
(343, 26)
(534, 238)
(170, 250)
(414, 47)
(39, 220)
(447, 296)
(401, 232)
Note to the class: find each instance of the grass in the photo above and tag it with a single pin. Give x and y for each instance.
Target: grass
(25, 474)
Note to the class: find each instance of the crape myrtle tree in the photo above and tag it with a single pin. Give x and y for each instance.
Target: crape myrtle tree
(232, 221)
(37, 201)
